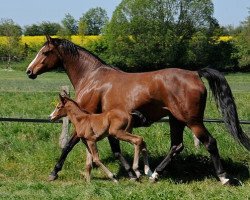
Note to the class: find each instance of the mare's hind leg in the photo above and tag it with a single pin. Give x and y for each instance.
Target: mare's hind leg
(115, 147)
(65, 151)
(211, 145)
(176, 136)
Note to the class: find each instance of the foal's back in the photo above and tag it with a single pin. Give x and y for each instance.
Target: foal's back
(96, 126)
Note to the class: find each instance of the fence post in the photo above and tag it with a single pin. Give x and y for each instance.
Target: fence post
(64, 137)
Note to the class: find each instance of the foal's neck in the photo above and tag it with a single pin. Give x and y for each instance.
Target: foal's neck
(74, 113)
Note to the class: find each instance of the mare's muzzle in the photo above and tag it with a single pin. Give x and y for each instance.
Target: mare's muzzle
(30, 74)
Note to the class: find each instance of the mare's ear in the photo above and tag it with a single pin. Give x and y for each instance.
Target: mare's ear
(49, 39)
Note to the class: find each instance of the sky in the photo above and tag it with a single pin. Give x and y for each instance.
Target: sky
(27, 12)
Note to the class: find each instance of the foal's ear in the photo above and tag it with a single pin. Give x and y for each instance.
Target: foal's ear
(64, 93)
(62, 99)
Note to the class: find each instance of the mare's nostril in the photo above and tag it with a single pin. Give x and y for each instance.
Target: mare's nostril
(29, 72)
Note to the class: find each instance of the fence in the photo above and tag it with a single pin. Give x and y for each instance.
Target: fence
(165, 119)
(65, 121)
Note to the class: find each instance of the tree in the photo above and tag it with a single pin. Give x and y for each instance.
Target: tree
(50, 28)
(242, 42)
(155, 34)
(12, 49)
(94, 20)
(45, 28)
(32, 30)
(69, 26)
(9, 28)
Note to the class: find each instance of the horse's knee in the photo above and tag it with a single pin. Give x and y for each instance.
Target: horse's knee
(139, 141)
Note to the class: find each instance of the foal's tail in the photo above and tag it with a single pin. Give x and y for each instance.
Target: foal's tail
(224, 99)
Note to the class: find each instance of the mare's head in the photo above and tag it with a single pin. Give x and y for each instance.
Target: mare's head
(60, 110)
(48, 58)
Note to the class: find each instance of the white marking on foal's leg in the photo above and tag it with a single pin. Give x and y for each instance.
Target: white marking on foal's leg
(147, 169)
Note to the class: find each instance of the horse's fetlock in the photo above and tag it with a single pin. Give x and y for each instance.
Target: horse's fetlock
(58, 167)
(212, 146)
(117, 155)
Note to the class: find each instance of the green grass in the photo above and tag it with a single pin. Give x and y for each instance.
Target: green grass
(29, 151)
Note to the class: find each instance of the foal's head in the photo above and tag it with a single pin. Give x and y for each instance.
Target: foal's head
(61, 108)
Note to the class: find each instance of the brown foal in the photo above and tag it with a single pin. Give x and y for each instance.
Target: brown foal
(94, 127)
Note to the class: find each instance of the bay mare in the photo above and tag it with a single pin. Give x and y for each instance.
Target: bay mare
(93, 127)
(178, 93)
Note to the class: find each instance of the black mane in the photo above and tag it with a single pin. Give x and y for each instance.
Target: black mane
(72, 49)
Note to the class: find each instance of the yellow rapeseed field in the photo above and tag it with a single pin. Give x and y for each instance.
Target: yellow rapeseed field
(79, 40)
(39, 40)
(225, 38)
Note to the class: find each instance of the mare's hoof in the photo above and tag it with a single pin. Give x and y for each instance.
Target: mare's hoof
(228, 180)
(153, 180)
(234, 182)
(52, 177)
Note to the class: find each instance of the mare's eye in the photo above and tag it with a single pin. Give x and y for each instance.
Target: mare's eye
(46, 53)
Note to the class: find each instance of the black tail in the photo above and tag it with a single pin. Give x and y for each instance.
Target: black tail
(224, 99)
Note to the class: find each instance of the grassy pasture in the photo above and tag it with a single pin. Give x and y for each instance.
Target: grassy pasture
(29, 151)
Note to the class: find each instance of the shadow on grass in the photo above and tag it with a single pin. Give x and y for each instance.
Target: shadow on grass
(185, 169)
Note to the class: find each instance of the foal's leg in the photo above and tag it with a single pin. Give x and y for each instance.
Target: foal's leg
(176, 134)
(115, 147)
(68, 147)
(89, 161)
(89, 165)
(93, 149)
(211, 145)
(139, 145)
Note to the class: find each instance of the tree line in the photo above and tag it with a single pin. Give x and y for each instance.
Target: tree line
(145, 35)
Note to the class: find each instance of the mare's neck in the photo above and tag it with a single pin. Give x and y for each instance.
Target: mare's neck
(81, 68)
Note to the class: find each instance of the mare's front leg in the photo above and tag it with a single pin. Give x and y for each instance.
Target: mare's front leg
(115, 147)
(65, 151)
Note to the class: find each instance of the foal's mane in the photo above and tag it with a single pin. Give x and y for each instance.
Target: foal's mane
(76, 104)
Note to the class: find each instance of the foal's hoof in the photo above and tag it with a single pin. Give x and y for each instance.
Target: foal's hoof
(134, 179)
(52, 177)
(115, 181)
